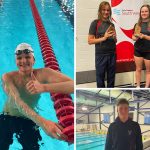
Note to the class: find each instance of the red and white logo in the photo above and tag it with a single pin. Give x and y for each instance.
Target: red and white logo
(125, 14)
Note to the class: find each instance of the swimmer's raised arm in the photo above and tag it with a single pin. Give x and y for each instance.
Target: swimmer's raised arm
(58, 82)
(48, 126)
(54, 82)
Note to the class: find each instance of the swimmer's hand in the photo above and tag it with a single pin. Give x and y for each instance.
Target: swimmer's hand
(135, 37)
(57, 84)
(141, 36)
(109, 34)
(34, 87)
(52, 129)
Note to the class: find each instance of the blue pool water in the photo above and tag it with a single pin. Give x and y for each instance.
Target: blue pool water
(17, 26)
(67, 7)
(90, 141)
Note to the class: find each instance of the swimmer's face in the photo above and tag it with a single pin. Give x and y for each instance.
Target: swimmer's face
(145, 14)
(123, 111)
(105, 12)
(25, 62)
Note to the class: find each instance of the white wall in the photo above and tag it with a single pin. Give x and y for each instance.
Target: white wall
(147, 2)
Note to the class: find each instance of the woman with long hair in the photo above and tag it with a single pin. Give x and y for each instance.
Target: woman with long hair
(141, 37)
(102, 33)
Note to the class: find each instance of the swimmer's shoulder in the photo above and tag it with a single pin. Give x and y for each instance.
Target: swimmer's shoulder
(44, 70)
(113, 124)
(9, 76)
(42, 74)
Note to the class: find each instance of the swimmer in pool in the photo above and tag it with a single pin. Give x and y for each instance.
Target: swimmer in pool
(23, 88)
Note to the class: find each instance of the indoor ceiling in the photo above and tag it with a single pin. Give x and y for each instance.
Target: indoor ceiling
(93, 98)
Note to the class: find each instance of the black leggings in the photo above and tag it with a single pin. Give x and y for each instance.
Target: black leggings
(27, 132)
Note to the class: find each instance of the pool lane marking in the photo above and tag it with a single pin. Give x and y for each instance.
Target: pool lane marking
(99, 146)
(65, 119)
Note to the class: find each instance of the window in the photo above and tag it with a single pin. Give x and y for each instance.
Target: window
(106, 118)
(147, 118)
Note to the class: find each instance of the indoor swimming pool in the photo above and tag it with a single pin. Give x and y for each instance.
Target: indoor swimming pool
(17, 26)
(90, 141)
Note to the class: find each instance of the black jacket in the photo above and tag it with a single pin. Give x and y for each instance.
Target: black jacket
(124, 136)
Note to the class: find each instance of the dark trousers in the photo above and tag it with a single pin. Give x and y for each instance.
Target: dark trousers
(105, 64)
(27, 132)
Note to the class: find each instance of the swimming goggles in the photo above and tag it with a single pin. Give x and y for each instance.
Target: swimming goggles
(25, 51)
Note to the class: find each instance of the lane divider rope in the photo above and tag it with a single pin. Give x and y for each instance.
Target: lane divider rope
(62, 102)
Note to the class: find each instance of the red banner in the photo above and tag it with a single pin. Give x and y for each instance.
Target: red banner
(125, 14)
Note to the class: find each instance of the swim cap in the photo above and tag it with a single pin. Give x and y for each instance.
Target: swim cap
(24, 46)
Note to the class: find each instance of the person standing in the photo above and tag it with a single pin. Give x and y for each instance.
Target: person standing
(102, 33)
(124, 134)
(142, 45)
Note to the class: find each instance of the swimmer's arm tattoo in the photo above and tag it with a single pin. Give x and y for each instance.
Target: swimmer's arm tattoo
(13, 93)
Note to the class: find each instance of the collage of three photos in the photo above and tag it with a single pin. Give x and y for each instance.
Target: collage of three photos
(75, 75)
(113, 75)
